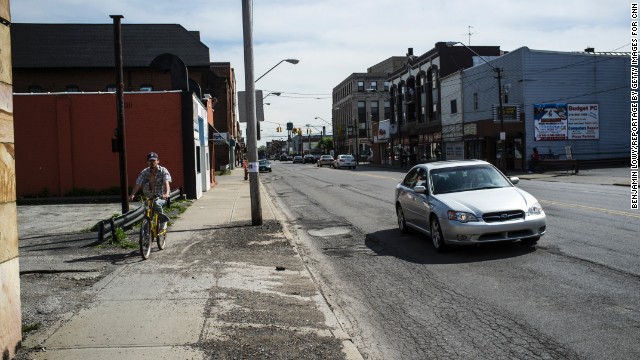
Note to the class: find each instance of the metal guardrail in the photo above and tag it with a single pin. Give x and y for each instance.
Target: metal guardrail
(107, 228)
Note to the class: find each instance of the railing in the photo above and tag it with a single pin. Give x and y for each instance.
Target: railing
(107, 228)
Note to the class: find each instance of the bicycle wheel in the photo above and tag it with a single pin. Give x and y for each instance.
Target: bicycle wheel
(161, 239)
(145, 238)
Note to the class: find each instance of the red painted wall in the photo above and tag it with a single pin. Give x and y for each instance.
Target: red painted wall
(63, 141)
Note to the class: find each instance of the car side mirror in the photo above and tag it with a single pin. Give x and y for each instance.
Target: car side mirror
(420, 189)
(514, 180)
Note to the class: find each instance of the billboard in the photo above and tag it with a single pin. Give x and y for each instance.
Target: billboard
(566, 122)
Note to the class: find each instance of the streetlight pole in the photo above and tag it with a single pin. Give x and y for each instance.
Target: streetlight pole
(503, 136)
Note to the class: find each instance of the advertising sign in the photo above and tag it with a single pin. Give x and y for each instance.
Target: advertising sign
(550, 122)
(584, 121)
(383, 131)
(219, 138)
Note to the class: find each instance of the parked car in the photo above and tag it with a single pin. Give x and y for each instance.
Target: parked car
(342, 161)
(325, 160)
(308, 158)
(264, 165)
(467, 202)
(284, 157)
(297, 159)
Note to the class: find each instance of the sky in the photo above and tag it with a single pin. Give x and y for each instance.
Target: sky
(334, 38)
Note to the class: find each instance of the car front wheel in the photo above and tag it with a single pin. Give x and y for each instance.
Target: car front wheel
(436, 235)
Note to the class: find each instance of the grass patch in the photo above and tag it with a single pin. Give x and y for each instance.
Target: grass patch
(27, 328)
(120, 240)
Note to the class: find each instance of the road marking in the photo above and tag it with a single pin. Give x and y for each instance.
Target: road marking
(608, 211)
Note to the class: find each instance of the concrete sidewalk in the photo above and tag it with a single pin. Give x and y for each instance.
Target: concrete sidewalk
(206, 295)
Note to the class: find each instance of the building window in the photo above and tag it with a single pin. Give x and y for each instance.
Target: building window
(374, 86)
(72, 88)
(454, 106)
(35, 89)
(360, 86)
(475, 101)
(375, 111)
(387, 109)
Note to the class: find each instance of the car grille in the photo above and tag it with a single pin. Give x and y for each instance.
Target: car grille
(503, 216)
(516, 234)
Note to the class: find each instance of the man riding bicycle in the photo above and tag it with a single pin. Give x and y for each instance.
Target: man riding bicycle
(154, 181)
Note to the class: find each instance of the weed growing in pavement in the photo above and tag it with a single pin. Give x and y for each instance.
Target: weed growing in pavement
(27, 328)
(120, 240)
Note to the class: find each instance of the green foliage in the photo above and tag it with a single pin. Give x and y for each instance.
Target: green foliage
(120, 240)
(223, 172)
(27, 328)
(326, 144)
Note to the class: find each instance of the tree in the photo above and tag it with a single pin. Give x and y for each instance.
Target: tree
(326, 144)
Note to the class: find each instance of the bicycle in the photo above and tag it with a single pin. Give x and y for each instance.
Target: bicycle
(150, 228)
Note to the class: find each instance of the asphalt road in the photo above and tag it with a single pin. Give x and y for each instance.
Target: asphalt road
(573, 296)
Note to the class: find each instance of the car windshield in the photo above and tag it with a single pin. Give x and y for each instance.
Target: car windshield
(347, 157)
(468, 178)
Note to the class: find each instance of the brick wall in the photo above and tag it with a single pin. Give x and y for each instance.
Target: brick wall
(63, 142)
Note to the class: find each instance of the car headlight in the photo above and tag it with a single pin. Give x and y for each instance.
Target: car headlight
(535, 209)
(461, 216)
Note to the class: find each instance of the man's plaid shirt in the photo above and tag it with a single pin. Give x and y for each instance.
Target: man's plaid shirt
(162, 175)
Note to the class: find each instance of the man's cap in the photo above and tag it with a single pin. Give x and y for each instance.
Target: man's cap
(152, 156)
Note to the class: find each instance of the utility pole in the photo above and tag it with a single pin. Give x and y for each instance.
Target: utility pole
(503, 135)
(122, 149)
(254, 181)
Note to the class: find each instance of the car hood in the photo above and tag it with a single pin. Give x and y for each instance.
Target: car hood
(488, 200)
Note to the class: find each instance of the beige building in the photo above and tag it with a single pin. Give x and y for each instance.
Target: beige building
(10, 313)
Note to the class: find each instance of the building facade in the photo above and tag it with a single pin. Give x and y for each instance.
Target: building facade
(10, 308)
(359, 102)
(79, 58)
(416, 99)
(567, 104)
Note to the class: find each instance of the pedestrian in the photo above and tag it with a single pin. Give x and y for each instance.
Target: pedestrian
(534, 159)
(154, 181)
(245, 164)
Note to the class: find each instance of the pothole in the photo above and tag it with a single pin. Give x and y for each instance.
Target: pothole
(330, 231)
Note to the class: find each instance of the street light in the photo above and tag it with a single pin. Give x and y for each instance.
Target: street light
(318, 117)
(291, 61)
(272, 93)
(503, 136)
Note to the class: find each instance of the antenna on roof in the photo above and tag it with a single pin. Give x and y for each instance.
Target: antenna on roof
(469, 33)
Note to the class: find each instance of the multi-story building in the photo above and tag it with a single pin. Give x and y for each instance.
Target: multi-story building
(226, 127)
(416, 96)
(359, 102)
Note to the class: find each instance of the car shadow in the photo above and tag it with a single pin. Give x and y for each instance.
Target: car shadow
(417, 248)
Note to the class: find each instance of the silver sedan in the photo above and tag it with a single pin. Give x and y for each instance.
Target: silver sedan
(467, 202)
